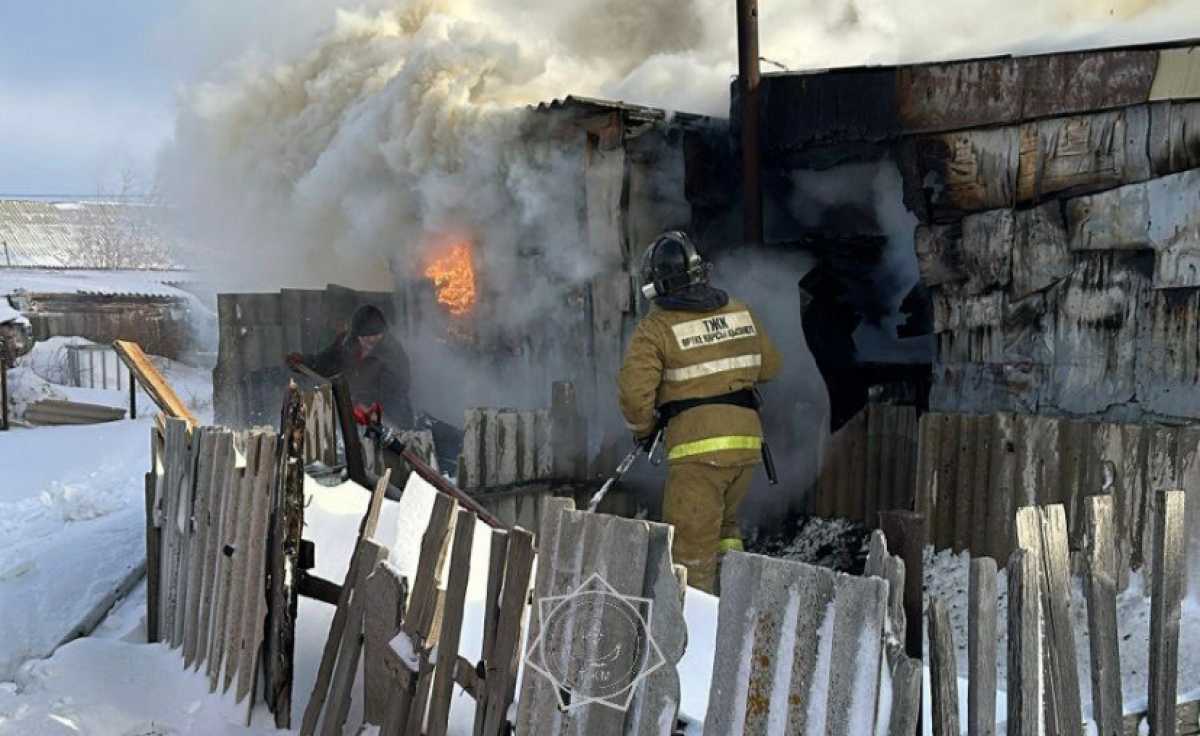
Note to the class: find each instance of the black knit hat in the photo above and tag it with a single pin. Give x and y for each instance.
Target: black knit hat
(367, 321)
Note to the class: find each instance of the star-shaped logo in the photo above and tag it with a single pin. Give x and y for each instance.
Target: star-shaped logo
(594, 645)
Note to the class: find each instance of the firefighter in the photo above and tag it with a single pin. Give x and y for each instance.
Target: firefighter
(375, 366)
(692, 364)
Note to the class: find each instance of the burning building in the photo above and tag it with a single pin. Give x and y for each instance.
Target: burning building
(1056, 232)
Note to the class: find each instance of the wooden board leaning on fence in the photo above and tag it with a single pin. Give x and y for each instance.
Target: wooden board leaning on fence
(153, 382)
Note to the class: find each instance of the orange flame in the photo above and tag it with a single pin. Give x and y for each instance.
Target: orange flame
(453, 275)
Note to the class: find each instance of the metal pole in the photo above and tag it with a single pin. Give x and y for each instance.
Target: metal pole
(748, 84)
(132, 397)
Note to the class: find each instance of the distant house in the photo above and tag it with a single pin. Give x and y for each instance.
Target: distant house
(99, 270)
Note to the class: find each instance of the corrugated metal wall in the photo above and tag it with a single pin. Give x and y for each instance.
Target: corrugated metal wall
(869, 466)
(975, 471)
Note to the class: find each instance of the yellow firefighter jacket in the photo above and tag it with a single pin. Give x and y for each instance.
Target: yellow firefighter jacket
(687, 355)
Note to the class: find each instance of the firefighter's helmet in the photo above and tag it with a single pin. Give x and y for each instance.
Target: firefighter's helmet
(672, 263)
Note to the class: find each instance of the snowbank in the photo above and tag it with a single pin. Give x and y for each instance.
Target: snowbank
(71, 528)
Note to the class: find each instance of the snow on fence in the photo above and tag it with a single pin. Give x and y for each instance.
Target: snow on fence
(1043, 689)
(974, 472)
(869, 465)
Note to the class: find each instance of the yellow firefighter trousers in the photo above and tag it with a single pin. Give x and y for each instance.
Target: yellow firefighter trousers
(701, 502)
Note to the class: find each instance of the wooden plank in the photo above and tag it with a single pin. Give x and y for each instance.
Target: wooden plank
(1024, 645)
(945, 480)
(507, 450)
(943, 671)
(527, 446)
(1166, 600)
(283, 558)
(981, 487)
(255, 596)
(181, 521)
(964, 487)
(856, 468)
(456, 593)
(906, 697)
(316, 702)
(501, 668)
(174, 449)
(153, 556)
(1063, 706)
(874, 470)
(369, 553)
(210, 542)
(907, 533)
(1100, 586)
(386, 594)
(1001, 484)
(981, 648)
(155, 384)
(422, 613)
(491, 615)
(881, 564)
(223, 575)
(207, 464)
(929, 427)
(889, 439)
(903, 492)
(825, 504)
(236, 599)
(355, 463)
(471, 462)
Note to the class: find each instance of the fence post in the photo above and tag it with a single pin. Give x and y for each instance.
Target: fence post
(1100, 586)
(906, 533)
(981, 648)
(1024, 644)
(943, 671)
(1166, 600)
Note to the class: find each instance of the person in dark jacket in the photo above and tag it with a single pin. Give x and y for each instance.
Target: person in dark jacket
(375, 366)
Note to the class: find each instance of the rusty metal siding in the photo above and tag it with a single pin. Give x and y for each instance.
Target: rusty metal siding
(1060, 84)
(956, 95)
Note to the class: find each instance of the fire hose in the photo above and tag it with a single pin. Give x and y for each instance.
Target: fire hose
(372, 418)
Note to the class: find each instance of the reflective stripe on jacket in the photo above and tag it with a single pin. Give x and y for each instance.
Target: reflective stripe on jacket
(686, 355)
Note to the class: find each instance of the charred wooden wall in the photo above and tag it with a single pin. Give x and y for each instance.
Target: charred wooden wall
(1060, 232)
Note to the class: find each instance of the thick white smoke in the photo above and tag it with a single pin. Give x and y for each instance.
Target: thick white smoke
(327, 144)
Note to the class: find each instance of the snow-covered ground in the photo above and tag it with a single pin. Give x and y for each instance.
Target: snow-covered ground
(71, 505)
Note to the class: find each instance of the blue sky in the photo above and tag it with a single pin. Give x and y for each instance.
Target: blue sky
(85, 93)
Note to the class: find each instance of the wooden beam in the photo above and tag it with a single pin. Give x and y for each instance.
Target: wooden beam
(153, 381)
(906, 534)
(451, 632)
(1166, 600)
(1024, 645)
(350, 441)
(1100, 586)
(943, 672)
(981, 648)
